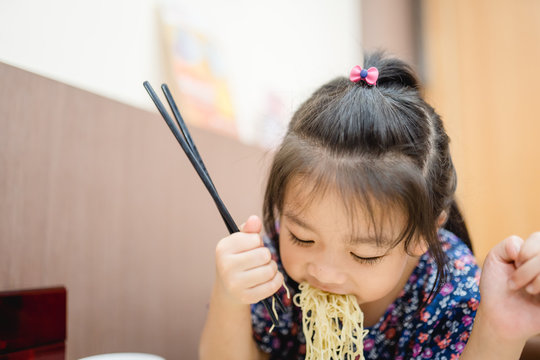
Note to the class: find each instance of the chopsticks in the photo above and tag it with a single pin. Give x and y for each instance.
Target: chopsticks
(186, 142)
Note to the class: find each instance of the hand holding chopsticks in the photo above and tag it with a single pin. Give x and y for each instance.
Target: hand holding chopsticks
(183, 137)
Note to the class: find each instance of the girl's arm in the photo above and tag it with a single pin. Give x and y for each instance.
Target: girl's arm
(227, 333)
(509, 311)
(245, 274)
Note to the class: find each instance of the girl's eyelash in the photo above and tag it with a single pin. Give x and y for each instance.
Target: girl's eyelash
(300, 242)
(367, 260)
(361, 260)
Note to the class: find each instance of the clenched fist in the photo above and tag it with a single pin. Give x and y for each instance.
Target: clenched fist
(244, 266)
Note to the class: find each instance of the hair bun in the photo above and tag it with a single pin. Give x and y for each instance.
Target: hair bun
(393, 72)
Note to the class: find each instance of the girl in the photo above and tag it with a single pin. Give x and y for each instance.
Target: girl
(360, 201)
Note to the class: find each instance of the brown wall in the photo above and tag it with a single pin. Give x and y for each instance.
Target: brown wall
(98, 196)
(392, 26)
(483, 61)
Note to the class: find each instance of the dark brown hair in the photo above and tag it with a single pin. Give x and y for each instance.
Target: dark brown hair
(377, 145)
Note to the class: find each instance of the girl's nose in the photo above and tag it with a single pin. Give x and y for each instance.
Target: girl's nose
(326, 274)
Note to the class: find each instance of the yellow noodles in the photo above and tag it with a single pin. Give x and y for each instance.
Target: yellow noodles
(275, 313)
(287, 290)
(332, 324)
(274, 305)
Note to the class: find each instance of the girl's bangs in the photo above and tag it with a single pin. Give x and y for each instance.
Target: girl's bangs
(386, 189)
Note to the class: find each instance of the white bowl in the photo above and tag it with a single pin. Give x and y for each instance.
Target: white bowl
(124, 356)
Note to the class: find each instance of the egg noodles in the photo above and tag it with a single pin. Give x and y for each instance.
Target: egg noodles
(332, 324)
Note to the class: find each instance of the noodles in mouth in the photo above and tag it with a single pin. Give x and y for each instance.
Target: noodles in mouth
(332, 324)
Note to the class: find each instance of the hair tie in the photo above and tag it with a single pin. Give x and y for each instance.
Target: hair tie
(370, 75)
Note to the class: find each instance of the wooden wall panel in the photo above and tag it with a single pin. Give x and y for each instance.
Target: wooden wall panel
(98, 196)
(482, 61)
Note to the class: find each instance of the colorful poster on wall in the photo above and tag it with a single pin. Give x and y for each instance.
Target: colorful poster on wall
(197, 75)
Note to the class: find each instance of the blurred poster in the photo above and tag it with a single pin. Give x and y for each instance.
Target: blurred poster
(197, 75)
(272, 121)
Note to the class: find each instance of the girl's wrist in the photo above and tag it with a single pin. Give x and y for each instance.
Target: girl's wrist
(490, 323)
(221, 295)
(489, 341)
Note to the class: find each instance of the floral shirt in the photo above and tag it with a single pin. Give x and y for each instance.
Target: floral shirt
(439, 331)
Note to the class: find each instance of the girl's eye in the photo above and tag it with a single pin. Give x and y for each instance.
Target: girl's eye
(367, 260)
(300, 242)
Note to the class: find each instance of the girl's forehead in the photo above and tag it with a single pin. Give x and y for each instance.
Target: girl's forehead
(302, 194)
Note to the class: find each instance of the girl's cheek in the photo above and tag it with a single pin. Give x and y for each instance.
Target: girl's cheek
(291, 260)
(372, 287)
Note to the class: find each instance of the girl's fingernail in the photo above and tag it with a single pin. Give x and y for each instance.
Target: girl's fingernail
(530, 289)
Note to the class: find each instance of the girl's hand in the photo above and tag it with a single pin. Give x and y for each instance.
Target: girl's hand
(510, 288)
(245, 269)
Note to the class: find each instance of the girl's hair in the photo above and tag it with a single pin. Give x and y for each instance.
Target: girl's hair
(381, 147)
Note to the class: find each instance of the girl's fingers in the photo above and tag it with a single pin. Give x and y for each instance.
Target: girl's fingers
(534, 287)
(238, 243)
(252, 259)
(230, 266)
(529, 249)
(252, 225)
(262, 291)
(525, 273)
(507, 250)
(257, 276)
(514, 246)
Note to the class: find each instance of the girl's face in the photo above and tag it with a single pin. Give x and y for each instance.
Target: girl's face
(319, 245)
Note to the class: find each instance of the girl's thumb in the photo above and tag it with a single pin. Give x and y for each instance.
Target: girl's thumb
(252, 225)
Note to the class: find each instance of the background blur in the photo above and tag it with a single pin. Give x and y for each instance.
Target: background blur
(96, 195)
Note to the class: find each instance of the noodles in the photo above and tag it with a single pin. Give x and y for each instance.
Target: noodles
(332, 324)
(287, 290)
(275, 313)
(274, 305)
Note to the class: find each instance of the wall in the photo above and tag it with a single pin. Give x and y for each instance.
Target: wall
(483, 73)
(394, 26)
(97, 196)
(281, 48)
(106, 47)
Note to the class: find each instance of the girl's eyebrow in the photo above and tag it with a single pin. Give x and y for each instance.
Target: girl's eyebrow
(368, 240)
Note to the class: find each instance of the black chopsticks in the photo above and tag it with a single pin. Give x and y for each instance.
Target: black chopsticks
(186, 142)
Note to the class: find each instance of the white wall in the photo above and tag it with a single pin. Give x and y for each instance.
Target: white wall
(110, 47)
(105, 46)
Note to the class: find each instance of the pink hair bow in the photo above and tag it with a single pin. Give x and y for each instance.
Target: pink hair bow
(370, 75)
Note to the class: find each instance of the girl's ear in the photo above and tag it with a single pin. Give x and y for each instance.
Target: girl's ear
(419, 247)
(441, 220)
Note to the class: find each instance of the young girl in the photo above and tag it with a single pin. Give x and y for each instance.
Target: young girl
(360, 201)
